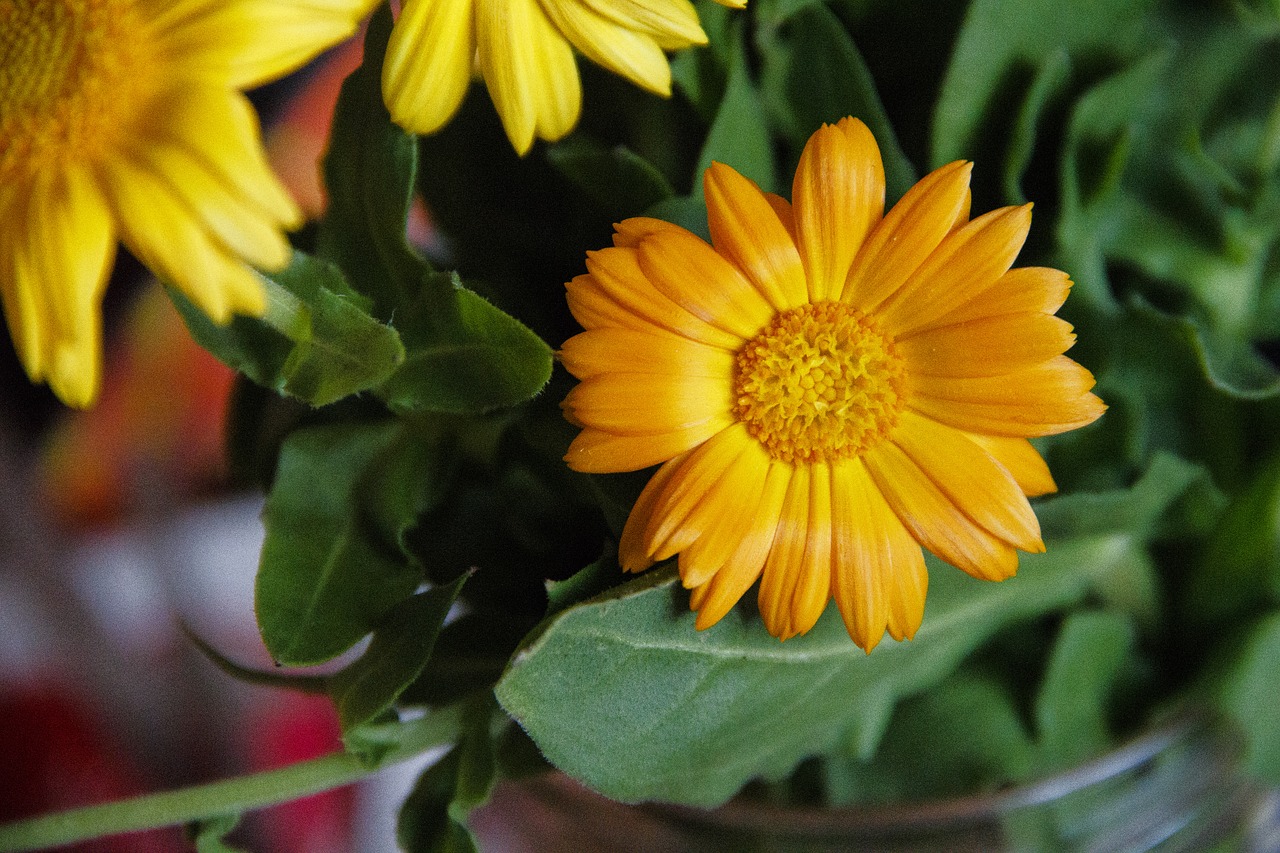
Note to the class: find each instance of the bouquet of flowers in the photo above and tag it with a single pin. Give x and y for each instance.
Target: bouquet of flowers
(724, 440)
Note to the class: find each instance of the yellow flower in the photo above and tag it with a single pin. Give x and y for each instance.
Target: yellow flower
(524, 52)
(827, 387)
(124, 120)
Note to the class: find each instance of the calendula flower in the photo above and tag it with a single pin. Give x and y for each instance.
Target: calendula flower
(827, 388)
(524, 50)
(124, 120)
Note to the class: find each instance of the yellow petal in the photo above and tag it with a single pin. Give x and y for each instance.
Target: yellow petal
(647, 404)
(1049, 398)
(934, 520)
(990, 346)
(617, 277)
(164, 234)
(624, 51)
(796, 584)
(907, 235)
(745, 483)
(746, 229)
(977, 484)
(1021, 459)
(673, 23)
(57, 270)
(428, 65)
(633, 548)
(596, 452)
(717, 596)
(878, 573)
(686, 507)
(529, 69)
(220, 130)
(1038, 289)
(251, 42)
(690, 273)
(968, 261)
(837, 196)
(616, 350)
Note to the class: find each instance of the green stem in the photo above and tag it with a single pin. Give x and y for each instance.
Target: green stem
(228, 796)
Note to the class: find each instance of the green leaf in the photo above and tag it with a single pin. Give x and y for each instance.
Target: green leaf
(326, 578)
(402, 645)
(617, 179)
(1246, 689)
(317, 341)
(738, 137)
(433, 817)
(814, 74)
(207, 835)
(1071, 708)
(483, 361)
(369, 174)
(961, 737)
(623, 693)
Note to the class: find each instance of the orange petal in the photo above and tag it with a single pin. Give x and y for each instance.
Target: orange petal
(737, 542)
(1022, 460)
(837, 196)
(934, 520)
(990, 346)
(595, 452)
(747, 231)
(629, 232)
(976, 483)
(633, 552)
(1020, 290)
(1043, 400)
(967, 262)
(878, 575)
(907, 235)
(690, 273)
(646, 403)
(612, 350)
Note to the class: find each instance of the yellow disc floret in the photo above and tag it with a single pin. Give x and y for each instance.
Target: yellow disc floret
(821, 382)
(70, 80)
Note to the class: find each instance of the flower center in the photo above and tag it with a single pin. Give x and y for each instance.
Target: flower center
(819, 383)
(70, 80)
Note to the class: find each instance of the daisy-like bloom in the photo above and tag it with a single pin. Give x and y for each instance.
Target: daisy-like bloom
(124, 120)
(827, 388)
(524, 52)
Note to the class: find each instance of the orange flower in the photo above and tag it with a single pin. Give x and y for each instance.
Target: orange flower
(827, 389)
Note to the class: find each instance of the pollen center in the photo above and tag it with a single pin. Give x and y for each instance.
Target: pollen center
(71, 78)
(819, 383)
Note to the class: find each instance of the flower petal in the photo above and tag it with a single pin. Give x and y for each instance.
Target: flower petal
(596, 452)
(55, 272)
(1047, 399)
(728, 532)
(690, 273)
(796, 584)
(718, 595)
(967, 262)
(907, 235)
(616, 277)
(647, 403)
(1021, 459)
(621, 49)
(529, 70)
(1023, 289)
(629, 232)
(746, 230)
(673, 23)
(633, 550)
(934, 520)
(837, 197)
(976, 483)
(427, 70)
(878, 575)
(990, 346)
(686, 507)
(615, 350)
